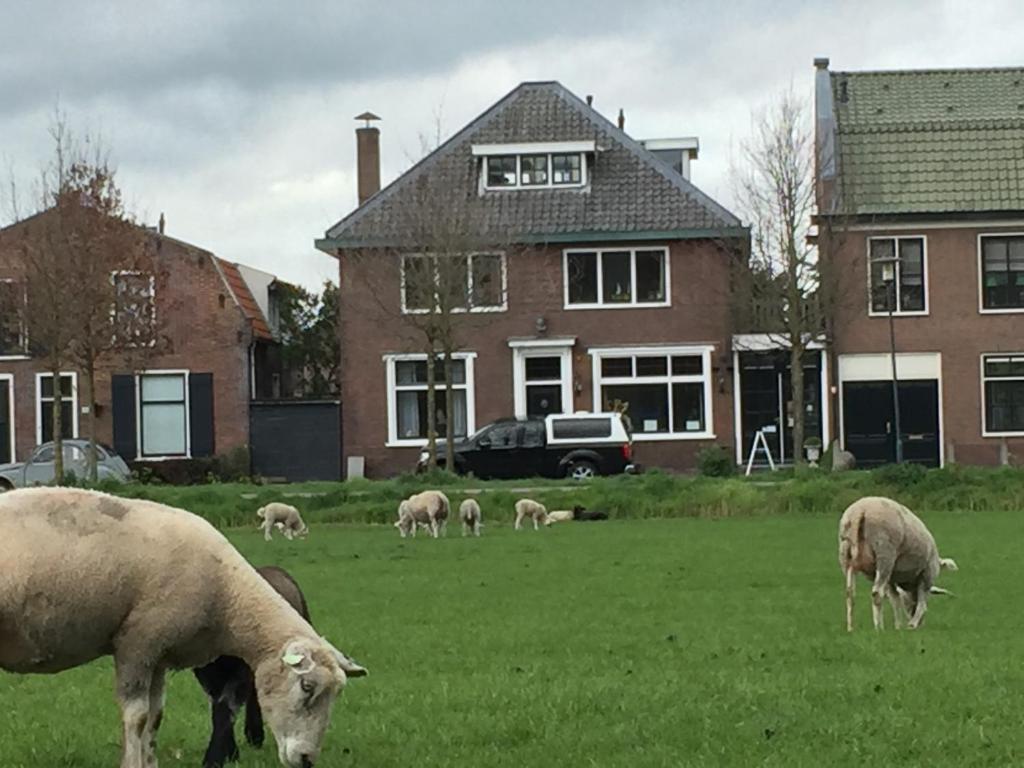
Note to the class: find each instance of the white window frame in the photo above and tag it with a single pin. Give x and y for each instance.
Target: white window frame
(704, 350)
(139, 375)
(9, 378)
(633, 303)
(985, 431)
(896, 280)
(392, 388)
(23, 333)
(39, 402)
(551, 184)
(981, 277)
(527, 348)
(503, 307)
(152, 297)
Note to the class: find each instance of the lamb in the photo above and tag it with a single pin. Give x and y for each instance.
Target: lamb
(85, 575)
(528, 508)
(229, 683)
(558, 516)
(469, 513)
(889, 544)
(284, 516)
(429, 508)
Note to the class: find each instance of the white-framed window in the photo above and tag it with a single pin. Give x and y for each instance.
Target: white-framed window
(7, 442)
(665, 391)
(162, 414)
(907, 257)
(1002, 384)
(68, 394)
(544, 170)
(406, 376)
(13, 331)
(134, 310)
(542, 376)
(616, 278)
(1001, 273)
(477, 282)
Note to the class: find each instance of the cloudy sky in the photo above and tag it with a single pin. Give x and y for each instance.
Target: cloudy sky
(235, 119)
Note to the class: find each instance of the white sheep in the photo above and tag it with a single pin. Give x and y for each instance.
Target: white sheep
(889, 544)
(285, 517)
(528, 508)
(85, 575)
(559, 516)
(469, 513)
(429, 508)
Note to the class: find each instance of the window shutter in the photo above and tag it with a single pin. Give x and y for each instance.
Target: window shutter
(122, 398)
(200, 416)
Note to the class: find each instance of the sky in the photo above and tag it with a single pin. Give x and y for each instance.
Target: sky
(236, 119)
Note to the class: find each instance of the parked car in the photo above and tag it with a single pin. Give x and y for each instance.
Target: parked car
(39, 470)
(577, 445)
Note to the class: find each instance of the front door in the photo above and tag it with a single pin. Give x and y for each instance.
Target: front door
(766, 402)
(542, 381)
(6, 428)
(869, 421)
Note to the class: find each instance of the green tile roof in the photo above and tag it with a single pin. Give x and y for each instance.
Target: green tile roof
(934, 141)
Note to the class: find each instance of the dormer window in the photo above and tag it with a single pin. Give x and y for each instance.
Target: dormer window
(534, 165)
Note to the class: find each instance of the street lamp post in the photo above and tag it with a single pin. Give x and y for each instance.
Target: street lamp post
(889, 278)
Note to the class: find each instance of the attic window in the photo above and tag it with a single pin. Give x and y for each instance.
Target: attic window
(534, 165)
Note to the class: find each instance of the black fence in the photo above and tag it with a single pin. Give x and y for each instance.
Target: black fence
(296, 439)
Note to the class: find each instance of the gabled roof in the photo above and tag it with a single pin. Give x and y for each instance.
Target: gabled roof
(630, 192)
(245, 300)
(930, 141)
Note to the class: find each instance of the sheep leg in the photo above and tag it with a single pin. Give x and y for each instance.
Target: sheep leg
(897, 607)
(519, 520)
(536, 526)
(254, 733)
(883, 573)
(850, 590)
(920, 607)
(267, 525)
(156, 715)
(133, 683)
(476, 528)
(433, 527)
(465, 529)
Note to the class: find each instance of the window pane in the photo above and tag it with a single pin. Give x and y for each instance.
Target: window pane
(647, 405)
(615, 272)
(418, 281)
(689, 365)
(412, 414)
(168, 388)
(533, 435)
(452, 282)
(1004, 406)
(582, 277)
(501, 171)
(1004, 366)
(911, 270)
(688, 407)
(12, 308)
(581, 428)
(67, 416)
(133, 306)
(650, 276)
(616, 366)
(542, 399)
(503, 435)
(533, 169)
(565, 169)
(487, 288)
(651, 366)
(163, 429)
(547, 368)
(1015, 280)
(880, 290)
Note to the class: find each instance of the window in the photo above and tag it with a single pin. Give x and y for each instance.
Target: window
(1003, 380)
(617, 278)
(533, 170)
(665, 393)
(581, 428)
(566, 169)
(68, 397)
(543, 381)
(6, 418)
(407, 398)
(501, 171)
(1002, 266)
(13, 340)
(474, 283)
(134, 313)
(163, 415)
(908, 285)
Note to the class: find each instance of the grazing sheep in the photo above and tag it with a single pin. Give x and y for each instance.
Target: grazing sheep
(583, 515)
(469, 513)
(284, 516)
(85, 575)
(429, 508)
(889, 544)
(528, 508)
(229, 683)
(558, 516)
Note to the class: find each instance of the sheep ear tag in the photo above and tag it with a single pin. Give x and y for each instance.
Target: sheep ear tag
(292, 659)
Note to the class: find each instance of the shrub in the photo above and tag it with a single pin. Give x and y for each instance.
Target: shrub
(900, 475)
(715, 461)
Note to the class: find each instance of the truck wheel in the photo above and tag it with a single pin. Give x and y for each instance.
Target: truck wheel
(581, 469)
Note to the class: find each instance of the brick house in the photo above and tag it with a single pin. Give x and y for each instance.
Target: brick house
(611, 283)
(921, 178)
(191, 401)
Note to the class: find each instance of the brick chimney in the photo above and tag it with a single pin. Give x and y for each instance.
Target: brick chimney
(367, 157)
(622, 119)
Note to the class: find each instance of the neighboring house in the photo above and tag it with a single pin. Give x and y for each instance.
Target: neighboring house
(608, 281)
(191, 399)
(925, 169)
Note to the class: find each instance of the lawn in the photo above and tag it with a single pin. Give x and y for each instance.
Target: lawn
(685, 642)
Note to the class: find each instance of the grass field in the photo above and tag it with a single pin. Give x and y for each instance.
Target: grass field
(687, 642)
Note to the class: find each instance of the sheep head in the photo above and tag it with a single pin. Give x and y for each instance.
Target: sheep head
(297, 688)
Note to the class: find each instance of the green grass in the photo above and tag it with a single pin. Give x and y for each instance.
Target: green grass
(685, 642)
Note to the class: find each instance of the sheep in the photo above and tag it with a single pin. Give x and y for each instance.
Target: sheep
(85, 575)
(528, 508)
(284, 516)
(429, 508)
(580, 514)
(889, 544)
(228, 681)
(558, 516)
(469, 513)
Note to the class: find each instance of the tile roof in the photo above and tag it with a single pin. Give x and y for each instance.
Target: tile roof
(245, 300)
(932, 141)
(629, 191)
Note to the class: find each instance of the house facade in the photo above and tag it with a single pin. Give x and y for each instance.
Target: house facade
(599, 277)
(187, 400)
(921, 188)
